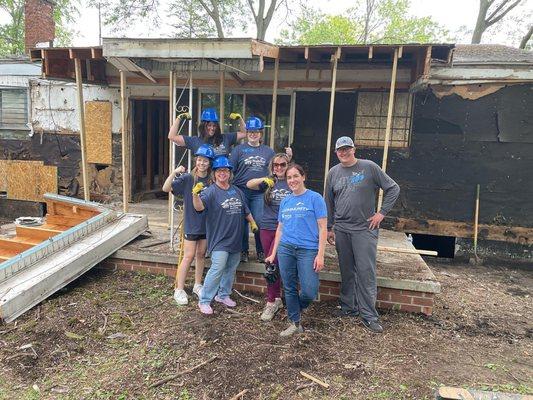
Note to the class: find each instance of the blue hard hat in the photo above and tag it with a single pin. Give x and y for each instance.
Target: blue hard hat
(209, 115)
(221, 162)
(206, 151)
(254, 124)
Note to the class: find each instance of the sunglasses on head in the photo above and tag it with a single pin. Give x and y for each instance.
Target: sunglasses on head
(283, 164)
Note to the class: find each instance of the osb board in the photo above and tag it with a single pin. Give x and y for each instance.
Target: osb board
(3, 175)
(29, 180)
(98, 118)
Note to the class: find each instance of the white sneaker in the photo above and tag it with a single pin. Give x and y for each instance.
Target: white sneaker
(181, 297)
(291, 330)
(197, 289)
(271, 309)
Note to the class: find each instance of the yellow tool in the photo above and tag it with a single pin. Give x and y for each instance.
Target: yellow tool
(269, 182)
(235, 116)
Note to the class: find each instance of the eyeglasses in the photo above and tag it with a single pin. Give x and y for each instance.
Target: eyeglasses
(283, 164)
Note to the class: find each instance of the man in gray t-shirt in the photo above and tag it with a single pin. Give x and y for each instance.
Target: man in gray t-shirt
(353, 225)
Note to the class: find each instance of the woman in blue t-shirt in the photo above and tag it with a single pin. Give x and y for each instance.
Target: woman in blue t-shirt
(209, 132)
(276, 189)
(225, 208)
(195, 243)
(300, 244)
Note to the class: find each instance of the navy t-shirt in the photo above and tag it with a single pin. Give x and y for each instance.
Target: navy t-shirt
(299, 214)
(271, 211)
(250, 162)
(225, 210)
(194, 221)
(228, 140)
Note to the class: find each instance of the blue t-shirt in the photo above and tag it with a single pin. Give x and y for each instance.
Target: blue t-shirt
(299, 214)
(225, 210)
(250, 162)
(228, 140)
(271, 211)
(194, 221)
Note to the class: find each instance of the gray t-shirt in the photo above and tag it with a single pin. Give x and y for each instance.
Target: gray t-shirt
(250, 162)
(351, 194)
(226, 210)
(228, 140)
(271, 211)
(194, 221)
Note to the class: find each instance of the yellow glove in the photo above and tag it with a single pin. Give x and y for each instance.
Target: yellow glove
(186, 116)
(197, 188)
(235, 116)
(269, 182)
(253, 227)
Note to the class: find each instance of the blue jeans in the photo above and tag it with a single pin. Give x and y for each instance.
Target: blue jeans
(254, 201)
(219, 278)
(296, 263)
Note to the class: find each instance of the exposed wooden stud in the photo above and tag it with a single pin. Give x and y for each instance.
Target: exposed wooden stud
(64, 220)
(13, 245)
(427, 62)
(172, 151)
(137, 139)
(36, 232)
(274, 104)
(400, 52)
(84, 165)
(125, 144)
(389, 122)
(237, 78)
(334, 58)
(161, 145)
(149, 145)
(191, 87)
(370, 52)
(222, 77)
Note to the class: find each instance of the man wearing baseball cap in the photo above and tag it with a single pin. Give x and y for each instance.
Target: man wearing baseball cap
(353, 225)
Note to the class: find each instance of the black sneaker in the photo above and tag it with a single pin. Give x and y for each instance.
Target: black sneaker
(340, 313)
(372, 326)
(260, 257)
(244, 256)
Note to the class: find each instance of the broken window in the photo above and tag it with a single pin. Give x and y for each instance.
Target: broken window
(371, 119)
(13, 109)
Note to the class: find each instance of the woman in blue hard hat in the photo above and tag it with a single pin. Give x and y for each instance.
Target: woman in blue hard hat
(300, 245)
(251, 161)
(276, 189)
(225, 208)
(209, 132)
(195, 243)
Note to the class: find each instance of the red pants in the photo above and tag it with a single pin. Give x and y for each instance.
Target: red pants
(267, 240)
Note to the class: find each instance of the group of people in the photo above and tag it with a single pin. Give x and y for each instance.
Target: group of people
(236, 187)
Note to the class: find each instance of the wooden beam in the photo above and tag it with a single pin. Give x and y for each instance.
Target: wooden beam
(64, 220)
(237, 78)
(400, 52)
(125, 146)
(171, 147)
(370, 52)
(389, 122)
(334, 58)
(149, 147)
(265, 49)
(508, 234)
(14, 245)
(274, 105)
(36, 232)
(83, 146)
(427, 62)
(82, 54)
(222, 82)
(161, 145)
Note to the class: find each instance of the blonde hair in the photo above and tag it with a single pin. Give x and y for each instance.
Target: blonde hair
(273, 176)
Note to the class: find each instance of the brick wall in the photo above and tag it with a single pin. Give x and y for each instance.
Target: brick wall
(388, 298)
(39, 22)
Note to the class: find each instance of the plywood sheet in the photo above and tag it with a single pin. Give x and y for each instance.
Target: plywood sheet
(98, 118)
(3, 175)
(29, 180)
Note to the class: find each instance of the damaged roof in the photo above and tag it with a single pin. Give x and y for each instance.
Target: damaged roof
(491, 54)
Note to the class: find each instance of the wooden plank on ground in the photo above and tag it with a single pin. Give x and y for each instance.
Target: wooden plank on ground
(98, 119)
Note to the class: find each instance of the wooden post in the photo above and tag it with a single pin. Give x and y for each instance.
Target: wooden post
(125, 143)
(335, 58)
(172, 152)
(189, 161)
(149, 145)
(222, 82)
(389, 122)
(161, 145)
(274, 104)
(81, 105)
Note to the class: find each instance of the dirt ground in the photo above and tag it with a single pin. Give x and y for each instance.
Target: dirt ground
(111, 335)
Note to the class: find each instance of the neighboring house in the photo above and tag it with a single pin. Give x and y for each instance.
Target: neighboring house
(459, 120)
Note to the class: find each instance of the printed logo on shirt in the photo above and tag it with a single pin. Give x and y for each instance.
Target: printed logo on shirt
(255, 163)
(232, 205)
(277, 195)
(349, 183)
(220, 150)
(298, 211)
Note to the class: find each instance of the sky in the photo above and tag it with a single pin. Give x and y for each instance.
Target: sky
(454, 15)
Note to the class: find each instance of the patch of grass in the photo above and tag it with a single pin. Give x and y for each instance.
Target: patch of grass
(184, 395)
(508, 388)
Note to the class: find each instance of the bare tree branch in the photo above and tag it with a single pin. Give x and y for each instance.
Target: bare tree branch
(526, 38)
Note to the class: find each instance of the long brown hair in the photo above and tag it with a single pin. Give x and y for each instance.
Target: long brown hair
(214, 140)
(194, 172)
(272, 175)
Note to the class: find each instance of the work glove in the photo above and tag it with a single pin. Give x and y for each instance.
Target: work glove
(197, 188)
(253, 227)
(235, 116)
(185, 116)
(269, 182)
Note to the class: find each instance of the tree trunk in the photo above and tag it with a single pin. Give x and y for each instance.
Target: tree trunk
(526, 38)
(481, 24)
